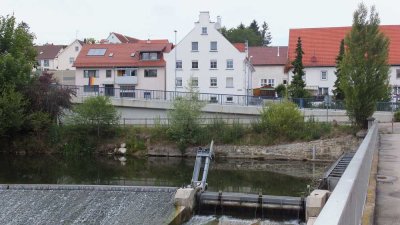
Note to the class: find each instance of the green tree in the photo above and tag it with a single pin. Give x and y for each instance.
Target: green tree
(96, 113)
(338, 92)
(184, 119)
(12, 112)
(89, 41)
(296, 88)
(281, 90)
(364, 68)
(17, 53)
(254, 26)
(240, 35)
(266, 34)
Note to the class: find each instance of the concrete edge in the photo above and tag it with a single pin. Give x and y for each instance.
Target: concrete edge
(86, 187)
(369, 207)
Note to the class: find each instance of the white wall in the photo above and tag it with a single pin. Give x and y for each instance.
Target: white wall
(52, 64)
(63, 58)
(112, 39)
(225, 51)
(268, 72)
(394, 81)
(313, 78)
(146, 83)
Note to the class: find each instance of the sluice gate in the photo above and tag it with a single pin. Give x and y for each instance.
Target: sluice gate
(250, 205)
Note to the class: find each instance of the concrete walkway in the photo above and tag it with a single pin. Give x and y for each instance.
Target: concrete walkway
(387, 209)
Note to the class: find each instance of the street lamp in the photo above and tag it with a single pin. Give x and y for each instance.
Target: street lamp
(175, 31)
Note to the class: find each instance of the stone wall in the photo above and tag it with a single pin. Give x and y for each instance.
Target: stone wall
(326, 149)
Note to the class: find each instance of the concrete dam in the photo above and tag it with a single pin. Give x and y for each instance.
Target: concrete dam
(74, 204)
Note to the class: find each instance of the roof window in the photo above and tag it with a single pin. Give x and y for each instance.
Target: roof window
(97, 51)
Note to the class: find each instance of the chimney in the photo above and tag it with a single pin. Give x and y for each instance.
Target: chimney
(204, 17)
(218, 24)
(278, 51)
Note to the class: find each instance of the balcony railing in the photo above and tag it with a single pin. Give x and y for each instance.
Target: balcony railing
(126, 80)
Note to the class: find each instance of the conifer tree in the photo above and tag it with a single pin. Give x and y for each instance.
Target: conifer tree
(296, 88)
(364, 68)
(338, 92)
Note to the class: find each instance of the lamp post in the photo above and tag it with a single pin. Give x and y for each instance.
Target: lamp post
(175, 31)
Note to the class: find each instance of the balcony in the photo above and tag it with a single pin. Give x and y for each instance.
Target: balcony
(126, 80)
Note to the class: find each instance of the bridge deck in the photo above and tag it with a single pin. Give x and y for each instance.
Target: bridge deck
(64, 204)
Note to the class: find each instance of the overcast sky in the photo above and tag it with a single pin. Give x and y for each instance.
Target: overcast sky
(61, 21)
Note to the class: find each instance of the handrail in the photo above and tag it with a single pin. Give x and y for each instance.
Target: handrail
(346, 203)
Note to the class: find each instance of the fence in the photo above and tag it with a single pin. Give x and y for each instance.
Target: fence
(214, 98)
(151, 122)
(346, 203)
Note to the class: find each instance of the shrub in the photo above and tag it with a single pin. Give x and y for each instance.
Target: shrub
(282, 120)
(397, 116)
(281, 90)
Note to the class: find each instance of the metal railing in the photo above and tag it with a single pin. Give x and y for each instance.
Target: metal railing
(214, 98)
(346, 204)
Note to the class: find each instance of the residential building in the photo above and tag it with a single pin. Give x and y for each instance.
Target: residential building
(66, 58)
(120, 69)
(207, 61)
(116, 38)
(321, 47)
(46, 56)
(269, 65)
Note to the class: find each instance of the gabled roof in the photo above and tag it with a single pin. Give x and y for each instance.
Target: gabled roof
(125, 39)
(321, 45)
(276, 55)
(121, 55)
(240, 46)
(48, 51)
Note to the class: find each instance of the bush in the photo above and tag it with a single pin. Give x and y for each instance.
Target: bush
(282, 120)
(397, 116)
(281, 90)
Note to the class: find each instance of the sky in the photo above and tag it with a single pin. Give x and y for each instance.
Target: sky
(62, 21)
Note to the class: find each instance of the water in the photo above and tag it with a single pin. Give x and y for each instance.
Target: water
(284, 178)
(232, 175)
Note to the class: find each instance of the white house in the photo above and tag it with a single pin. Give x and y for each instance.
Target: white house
(321, 47)
(269, 65)
(116, 38)
(207, 59)
(66, 58)
(123, 70)
(46, 56)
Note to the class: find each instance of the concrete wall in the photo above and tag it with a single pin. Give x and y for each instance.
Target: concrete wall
(65, 77)
(225, 51)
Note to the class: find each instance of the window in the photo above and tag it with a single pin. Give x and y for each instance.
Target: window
(71, 60)
(396, 90)
(271, 82)
(229, 82)
(213, 46)
(127, 91)
(108, 73)
(195, 82)
(90, 73)
(398, 73)
(229, 64)
(284, 81)
(147, 95)
(229, 99)
(178, 82)
(195, 64)
(324, 75)
(133, 72)
(96, 51)
(263, 82)
(150, 73)
(213, 99)
(91, 88)
(179, 64)
(213, 64)
(149, 56)
(204, 30)
(323, 91)
(46, 62)
(76, 48)
(213, 82)
(195, 46)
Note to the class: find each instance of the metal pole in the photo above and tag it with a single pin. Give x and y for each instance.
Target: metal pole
(205, 172)
(176, 52)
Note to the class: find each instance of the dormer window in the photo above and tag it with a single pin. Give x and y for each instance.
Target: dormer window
(149, 56)
(204, 30)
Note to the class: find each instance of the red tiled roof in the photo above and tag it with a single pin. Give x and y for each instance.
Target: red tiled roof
(155, 41)
(121, 55)
(48, 51)
(276, 55)
(125, 39)
(323, 43)
(240, 46)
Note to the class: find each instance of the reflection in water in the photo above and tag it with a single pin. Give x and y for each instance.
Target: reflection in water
(233, 175)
